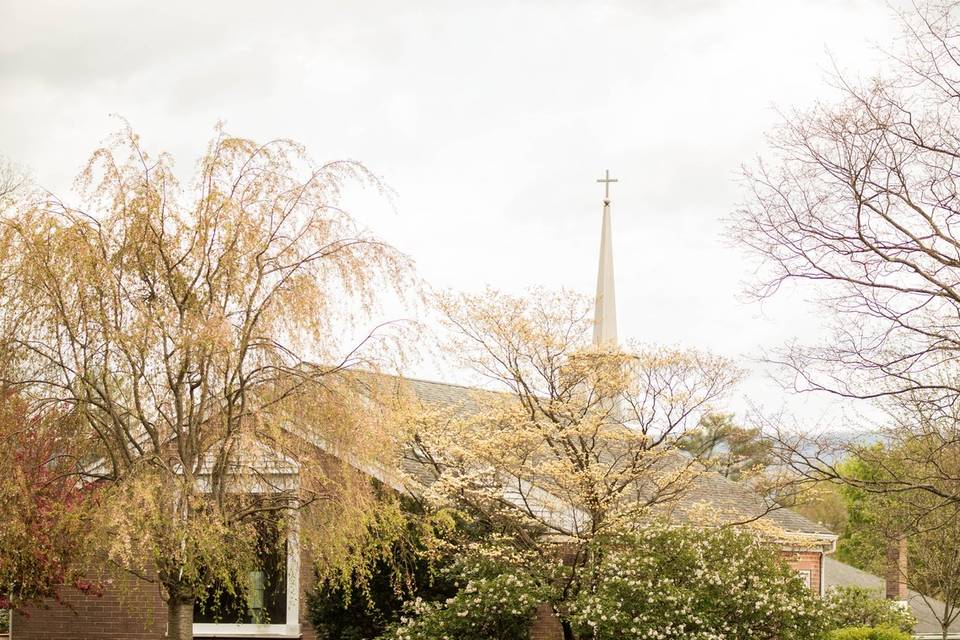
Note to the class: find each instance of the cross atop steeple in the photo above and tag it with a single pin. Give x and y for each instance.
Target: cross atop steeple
(606, 180)
(605, 315)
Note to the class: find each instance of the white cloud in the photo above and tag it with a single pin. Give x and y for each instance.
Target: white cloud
(491, 120)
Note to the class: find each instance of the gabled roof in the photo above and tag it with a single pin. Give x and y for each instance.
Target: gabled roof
(711, 495)
(838, 574)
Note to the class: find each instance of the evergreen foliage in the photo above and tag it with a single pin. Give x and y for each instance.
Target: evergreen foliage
(499, 591)
(858, 607)
(731, 450)
(412, 550)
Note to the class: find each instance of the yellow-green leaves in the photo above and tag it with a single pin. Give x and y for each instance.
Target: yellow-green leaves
(181, 324)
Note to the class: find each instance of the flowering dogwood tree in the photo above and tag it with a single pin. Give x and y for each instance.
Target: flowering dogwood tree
(572, 441)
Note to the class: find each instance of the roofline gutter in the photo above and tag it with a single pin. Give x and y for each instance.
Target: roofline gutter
(833, 544)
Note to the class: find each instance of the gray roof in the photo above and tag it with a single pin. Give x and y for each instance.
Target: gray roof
(444, 393)
(436, 393)
(838, 574)
(726, 500)
(737, 502)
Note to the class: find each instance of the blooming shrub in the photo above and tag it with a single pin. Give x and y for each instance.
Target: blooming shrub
(496, 600)
(859, 607)
(868, 633)
(685, 584)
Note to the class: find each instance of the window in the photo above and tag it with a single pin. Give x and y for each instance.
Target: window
(272, 603)
(805, 575)
(266, 601)
(271, 607)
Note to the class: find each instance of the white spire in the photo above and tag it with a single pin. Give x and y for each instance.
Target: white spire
(605, 315)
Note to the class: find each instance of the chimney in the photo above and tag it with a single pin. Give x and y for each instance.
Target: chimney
(897, 570)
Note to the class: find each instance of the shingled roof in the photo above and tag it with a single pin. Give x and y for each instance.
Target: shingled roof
(730, 502)
(711, 495)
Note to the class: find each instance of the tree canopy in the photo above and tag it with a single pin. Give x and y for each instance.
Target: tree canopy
(195, 336)
(729, 449)
(46, 513)
(570, 442)
(857, 196)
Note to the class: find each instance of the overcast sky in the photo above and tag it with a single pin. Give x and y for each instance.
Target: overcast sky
(491, 120)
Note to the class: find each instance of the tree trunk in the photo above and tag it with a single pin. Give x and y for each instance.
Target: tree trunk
(180, 619)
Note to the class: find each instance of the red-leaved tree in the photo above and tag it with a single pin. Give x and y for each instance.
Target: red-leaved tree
(44, 528)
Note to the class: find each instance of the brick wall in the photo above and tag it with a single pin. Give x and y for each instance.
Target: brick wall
(129, 609)
(306, 584)
(546, 626)
(806, 561)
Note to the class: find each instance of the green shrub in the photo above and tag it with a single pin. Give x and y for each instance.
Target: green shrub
(677, 583)
(868, 633)
(500, 608)
(858, 607)
(360, 612)
(497, 600)
(371, 598)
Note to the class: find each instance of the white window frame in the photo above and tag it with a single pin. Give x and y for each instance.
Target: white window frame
(290, 629)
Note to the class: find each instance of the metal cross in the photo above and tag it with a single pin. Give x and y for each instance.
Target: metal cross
(606, 180)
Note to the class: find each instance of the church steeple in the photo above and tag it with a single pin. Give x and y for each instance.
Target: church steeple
(605, 314)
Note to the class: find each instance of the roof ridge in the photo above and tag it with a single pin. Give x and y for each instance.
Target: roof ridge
(444, 384)
(408, 378)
